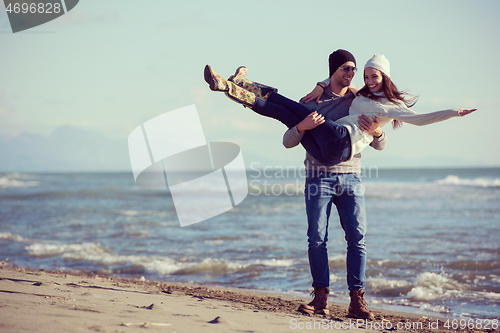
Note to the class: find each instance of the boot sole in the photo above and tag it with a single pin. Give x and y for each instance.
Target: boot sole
(355, 316)
(325, 312)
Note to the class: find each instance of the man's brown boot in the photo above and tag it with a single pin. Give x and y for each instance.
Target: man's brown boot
(319, 304)
(359, 308)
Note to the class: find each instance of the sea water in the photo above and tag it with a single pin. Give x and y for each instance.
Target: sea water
(433, 235)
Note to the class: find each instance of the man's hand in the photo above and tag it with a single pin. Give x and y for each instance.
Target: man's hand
(370, 126)
(313, 95)
(313, 120)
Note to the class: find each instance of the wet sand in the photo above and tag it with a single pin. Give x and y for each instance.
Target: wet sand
(47, 301)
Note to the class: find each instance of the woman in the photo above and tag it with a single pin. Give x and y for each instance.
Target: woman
(328, 141)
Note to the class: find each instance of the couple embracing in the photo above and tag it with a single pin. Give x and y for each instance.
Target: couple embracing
(334, 123)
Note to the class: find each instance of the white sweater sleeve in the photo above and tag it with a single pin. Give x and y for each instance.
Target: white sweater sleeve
(402, 113)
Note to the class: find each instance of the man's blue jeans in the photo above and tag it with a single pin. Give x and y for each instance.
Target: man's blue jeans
(346, 191)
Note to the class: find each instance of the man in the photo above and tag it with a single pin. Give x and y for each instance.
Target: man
(337, 184)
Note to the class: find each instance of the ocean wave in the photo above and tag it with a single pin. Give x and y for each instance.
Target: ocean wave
(431, 287)
(477, 182)
(138, 213)
(101, 256)
(210, 266)
(277, 262)
(387, 263)
(103, 259)
(334, 278)
(8, 182)
(428, 292)
(491, 296)
(434, 308)
(13, 237)
(81, 250)
(129, 212)
(381, 286)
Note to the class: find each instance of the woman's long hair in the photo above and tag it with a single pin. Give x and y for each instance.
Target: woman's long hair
(392, 94)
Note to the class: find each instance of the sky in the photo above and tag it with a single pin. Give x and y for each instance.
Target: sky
(106, 67)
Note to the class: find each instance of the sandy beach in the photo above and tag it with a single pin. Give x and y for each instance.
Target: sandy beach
(48, 301)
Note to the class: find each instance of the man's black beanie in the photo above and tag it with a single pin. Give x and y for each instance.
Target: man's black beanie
(339, 57)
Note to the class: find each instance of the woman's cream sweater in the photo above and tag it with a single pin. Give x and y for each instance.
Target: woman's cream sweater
(385, 111)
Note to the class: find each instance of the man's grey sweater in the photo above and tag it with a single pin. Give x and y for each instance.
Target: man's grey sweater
(333, 107)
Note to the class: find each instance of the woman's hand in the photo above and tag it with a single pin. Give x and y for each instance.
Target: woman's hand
(370, 126)
(462, 113)
(313, 95)
(313, 120)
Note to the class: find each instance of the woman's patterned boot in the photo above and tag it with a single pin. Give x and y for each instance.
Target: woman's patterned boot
(240, 78)
(233, 91)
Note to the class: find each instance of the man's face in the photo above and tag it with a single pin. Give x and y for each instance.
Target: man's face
(344, 74)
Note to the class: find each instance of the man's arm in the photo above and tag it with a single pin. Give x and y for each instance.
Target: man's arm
(292, 137)
(372, 127)
(317, 92)
(379, 143)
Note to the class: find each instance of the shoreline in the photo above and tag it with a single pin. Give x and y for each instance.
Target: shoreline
(54, 301)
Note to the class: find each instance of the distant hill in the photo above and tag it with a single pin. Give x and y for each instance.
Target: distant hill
(66, 149)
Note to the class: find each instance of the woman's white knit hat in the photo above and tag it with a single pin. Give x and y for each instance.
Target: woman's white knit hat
(380, 62)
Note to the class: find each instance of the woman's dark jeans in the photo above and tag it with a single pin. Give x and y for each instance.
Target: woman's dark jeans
(329, 143)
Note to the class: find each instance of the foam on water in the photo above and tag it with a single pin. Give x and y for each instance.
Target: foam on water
(73, 251)
(431, 286)
(8, 182)
(100, 256)
(129, 212)
(481, 182)
(388, 287)
(334, 278)
(276, 262)
(210, 266)
(13, 237)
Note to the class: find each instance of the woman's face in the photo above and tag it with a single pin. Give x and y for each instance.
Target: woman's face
(373, 79)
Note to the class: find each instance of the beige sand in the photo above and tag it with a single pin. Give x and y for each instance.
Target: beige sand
(40, 301)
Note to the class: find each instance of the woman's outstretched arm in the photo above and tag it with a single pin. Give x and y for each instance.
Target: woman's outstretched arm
(428, 118)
